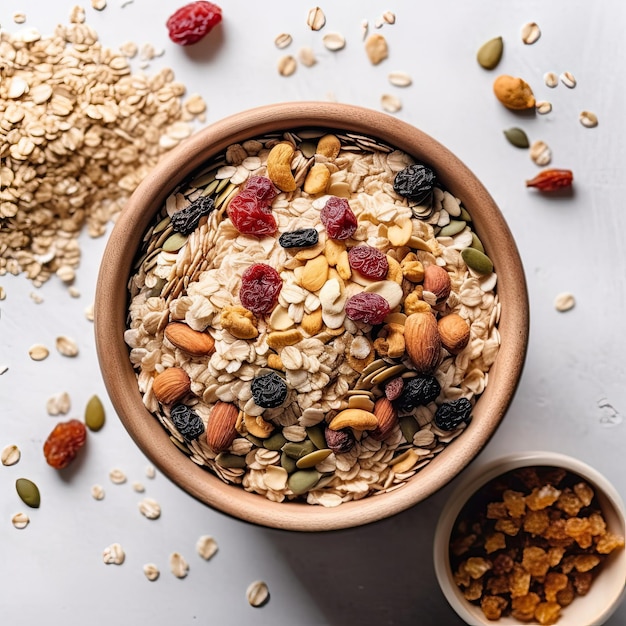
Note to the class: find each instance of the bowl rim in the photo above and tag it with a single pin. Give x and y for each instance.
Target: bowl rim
(110, 322)
(478, 475)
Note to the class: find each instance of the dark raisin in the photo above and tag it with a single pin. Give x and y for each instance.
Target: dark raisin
(369, 308)
(418, 391)
(416, 183)
(303, 238)
(339, 441)
(188, 423)
(451, 414)
(269, 390)
(186, 220)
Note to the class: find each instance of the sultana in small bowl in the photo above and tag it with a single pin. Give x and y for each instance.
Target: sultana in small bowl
(311, 316)
(532, 538)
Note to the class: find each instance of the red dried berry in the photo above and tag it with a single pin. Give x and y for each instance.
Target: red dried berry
(393, 389)
(64, 442)
(369, 262)
(338, 218)
(260, 286)
(551, 180)
(262, 189)
(369, 308)
(192, 22)
(249, 216)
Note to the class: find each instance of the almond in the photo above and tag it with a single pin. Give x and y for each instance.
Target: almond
(437, 281)
(171, 385)
(189, 340)
(454, 332)
(422, 340)
(387, 417)
(220, 430)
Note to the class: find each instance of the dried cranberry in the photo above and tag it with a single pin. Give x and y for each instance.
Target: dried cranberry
(192, 22)
(369, 262)
(262, 188)
(338, 218)
(260, 286)
(369, 308)
(394, 388)
(249, 216)
(64, 442)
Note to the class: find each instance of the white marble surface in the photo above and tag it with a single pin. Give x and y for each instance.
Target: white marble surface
(571, 397)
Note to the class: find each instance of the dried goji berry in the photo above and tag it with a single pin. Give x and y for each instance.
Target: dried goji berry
(192, 22)
(260, 286)
(551, 180)
(338, 218)
(369, 308)
(64, 442)
(369, 261)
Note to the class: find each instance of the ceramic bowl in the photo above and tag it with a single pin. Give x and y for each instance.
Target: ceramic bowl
(607, 589)
(111, 309)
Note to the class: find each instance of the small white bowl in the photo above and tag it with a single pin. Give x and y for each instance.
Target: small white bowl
(607, 589)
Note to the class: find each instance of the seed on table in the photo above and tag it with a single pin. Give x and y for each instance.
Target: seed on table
(517, 137)
(588, 119)
(530, 33)
(490, 53)
(28, 492)
(551, 79)
(20, 520)
(10, 455)
(400, 79)
(564, 302)
(567, 78)
(206, 547)
(94, 414)
(287, 65)
(258, 593)
(38, 352)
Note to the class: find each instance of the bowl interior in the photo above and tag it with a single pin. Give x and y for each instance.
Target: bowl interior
(607, 589)
(111, 312)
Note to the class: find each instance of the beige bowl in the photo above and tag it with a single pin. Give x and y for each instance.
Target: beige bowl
(112, 299)
(606, 590)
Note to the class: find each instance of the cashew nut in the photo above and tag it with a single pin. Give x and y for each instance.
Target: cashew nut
(279, 166)
(412, 268)
(354, 418)
(239, 322)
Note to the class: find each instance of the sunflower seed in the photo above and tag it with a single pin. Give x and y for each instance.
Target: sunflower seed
(97, 492)
(151, 571)
(543, 106)
(316, 19)
(257, 593)
(66, 346)
(567, 78)
(391, 104)
(551, 79)
(38, 352)
(28, 492)
(530, 33)
(564, 302)
(206, 547)
(334, 41)
(588, 119)
(287, 65)
(20, 520)
(113, 554)
(540, 153)
(10, 455)
(178, 566)
(400, 79)
(150, 508)
(283, 40)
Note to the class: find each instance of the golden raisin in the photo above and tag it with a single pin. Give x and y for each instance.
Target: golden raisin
(64, 442)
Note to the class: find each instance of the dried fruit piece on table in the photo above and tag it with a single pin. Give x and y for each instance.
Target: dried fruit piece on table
(64, 442)
(193, 22)
(415, 182)
(490, 53)
(188, 423)
(369, 262)
(94, 413)
(517, 137)
(451, 414)
(369, 308)
(513, 92)
(260, 286)
(551, 180)
(186, 220)
(269, 390)
(28, 492)
(338, 218)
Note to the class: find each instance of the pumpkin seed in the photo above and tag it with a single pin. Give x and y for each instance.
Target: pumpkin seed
(490, 53)
(206, 547)
(230, 461)
(316, 435)
(303, 480)
(20, 520)
(287, 463)
(275, 442)
(94, 414)
(175, 242)
(28, 492)
(408, 426)
(517, 137)
(477, 260)
(386, 374)
(477, 243)
(10, 455)
(257, 593)
(312, 459)
(453, 227)
(298, 450)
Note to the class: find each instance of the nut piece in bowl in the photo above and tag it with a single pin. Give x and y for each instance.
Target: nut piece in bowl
(287, 276)
(532, 538)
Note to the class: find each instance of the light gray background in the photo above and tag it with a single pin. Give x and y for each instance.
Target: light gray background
(572, 395)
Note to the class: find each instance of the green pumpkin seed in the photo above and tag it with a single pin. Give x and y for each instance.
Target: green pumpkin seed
(302, 481)
(210, 188)
(490, 53)
(465, 216)
(454, 227)
(275, 442)
(287, 463)
(174, 242)
(409, 426)
(162, 225)
(308, 149)
(230, 461)
(312, 459)
(94, 414)
(517, 137)
(28, 491)
(298, 450)
(316, 435)
(477, 260)
(477, 243)
(255, 440)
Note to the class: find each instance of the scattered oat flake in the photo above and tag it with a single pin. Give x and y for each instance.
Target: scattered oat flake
(98, 5)
(389, 17)
(66, 273)
(540, 153)
(10, 455)
(66, 346)
(129, 49)
(4, 369)
(38, 352)
(97, 492)
(19, 17)
(150, 471)
(35, 297)
(530, 33)
(138, 487)
(113, 554)
(283, 40)
(334, 41)
(257, 593)
(151, 571)
(564, 302)
(316, 19)
(364, 29)
(150, 508)
(58, 404)
(178, 565)
(379, 22)
(73, 292)
(543, 106)
(117, 476)
(376, 48)
(400, 79)
(588, 119)
(206, 547)
(306, 56)
(3, 293)
(287, 65)
(391, 104)
(551, 79)
(20, 520)
(567, 78)
(89, 312)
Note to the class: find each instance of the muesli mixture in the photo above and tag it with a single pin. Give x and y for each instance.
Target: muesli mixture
(312, 316)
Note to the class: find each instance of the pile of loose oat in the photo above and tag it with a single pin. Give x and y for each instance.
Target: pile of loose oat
(79, 132)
